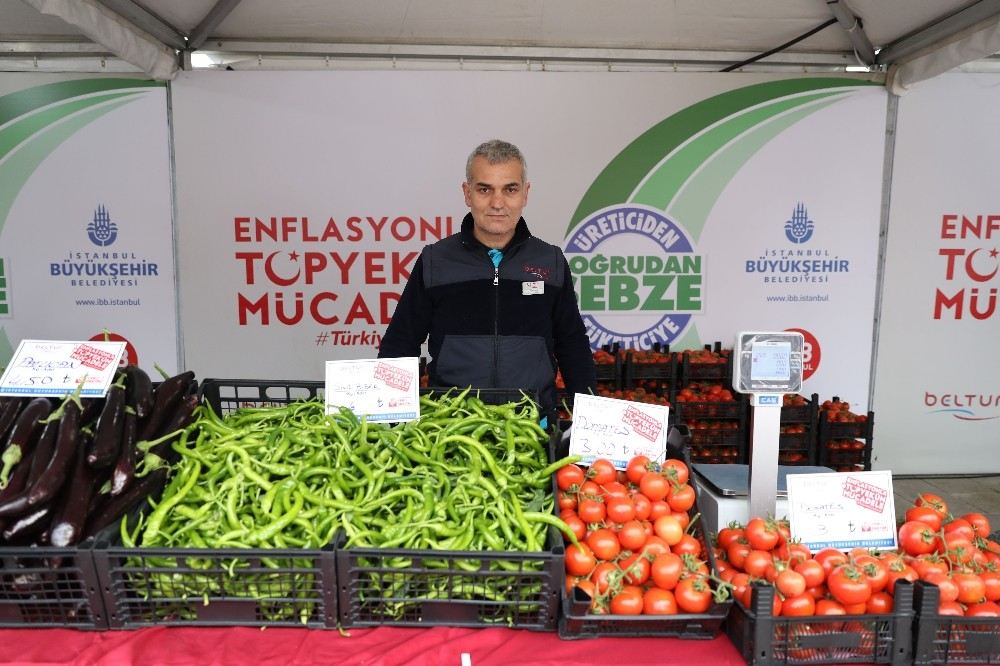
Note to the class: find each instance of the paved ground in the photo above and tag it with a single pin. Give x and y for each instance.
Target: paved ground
(963, 494)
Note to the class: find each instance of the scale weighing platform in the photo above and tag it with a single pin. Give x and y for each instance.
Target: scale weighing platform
(723, 492)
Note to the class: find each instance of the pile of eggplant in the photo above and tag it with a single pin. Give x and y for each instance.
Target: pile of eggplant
(72, 466)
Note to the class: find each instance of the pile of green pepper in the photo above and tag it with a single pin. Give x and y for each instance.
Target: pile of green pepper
(466, 476)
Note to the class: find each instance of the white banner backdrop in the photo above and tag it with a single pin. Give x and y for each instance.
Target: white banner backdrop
(936, 398)
(305, 197)
(86, 240)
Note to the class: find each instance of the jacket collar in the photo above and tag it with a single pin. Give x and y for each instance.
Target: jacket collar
(469, 239)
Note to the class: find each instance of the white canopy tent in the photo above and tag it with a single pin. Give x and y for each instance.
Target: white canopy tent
(909, 40)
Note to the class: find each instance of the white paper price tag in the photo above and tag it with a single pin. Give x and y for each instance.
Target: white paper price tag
(617, 430)
(57, 367)
(383, 389)
(842, 510)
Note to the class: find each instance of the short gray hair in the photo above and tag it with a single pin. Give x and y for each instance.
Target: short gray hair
(496, 151)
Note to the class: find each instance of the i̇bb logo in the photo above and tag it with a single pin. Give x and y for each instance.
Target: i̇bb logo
(811, 352)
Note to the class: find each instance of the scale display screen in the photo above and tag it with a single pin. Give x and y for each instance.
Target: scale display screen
(768, 362)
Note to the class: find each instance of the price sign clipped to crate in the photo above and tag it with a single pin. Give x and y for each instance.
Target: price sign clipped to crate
(58, 367)
(842, 510)
(382, 390)
(617, 430)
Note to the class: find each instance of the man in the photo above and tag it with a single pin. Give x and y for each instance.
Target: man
(497, 302)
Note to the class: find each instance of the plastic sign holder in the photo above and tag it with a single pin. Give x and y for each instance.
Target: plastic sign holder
(766, 366)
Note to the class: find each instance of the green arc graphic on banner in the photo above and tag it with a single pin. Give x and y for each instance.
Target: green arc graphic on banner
(35, 121)
(618, 180)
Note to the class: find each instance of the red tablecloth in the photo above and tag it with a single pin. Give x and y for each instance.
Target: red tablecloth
(384, 646)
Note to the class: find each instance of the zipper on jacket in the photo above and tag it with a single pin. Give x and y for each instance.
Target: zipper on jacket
(496, 256)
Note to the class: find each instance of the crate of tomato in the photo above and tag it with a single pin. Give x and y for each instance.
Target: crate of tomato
(718, 421)
(844, 438)
(664, 587)
(794, 606)
(956, 598)
(709, 364)
(797, 435)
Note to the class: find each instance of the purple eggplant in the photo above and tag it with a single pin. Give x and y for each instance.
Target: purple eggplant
(107, 437)
(138, 390)
(124, 470)
(68, 521)
(23, 434)
(67, 440)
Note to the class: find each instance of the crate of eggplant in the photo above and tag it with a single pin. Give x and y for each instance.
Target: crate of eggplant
(72, 466)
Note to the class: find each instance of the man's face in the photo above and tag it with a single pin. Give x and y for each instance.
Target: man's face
(496, 195)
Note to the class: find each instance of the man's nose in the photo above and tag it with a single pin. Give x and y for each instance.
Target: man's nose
(496, 201)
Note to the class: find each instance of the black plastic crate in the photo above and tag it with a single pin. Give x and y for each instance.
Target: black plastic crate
(228, 395)
(801, 414)
(765, 640)
(797, 448)
(720, 372)
(146, 587)
(732, 410)
(660, 375)
(50, 587)
(419, 588)
(950, 639)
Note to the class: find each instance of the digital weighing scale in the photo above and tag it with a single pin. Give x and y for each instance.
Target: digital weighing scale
(766, 365)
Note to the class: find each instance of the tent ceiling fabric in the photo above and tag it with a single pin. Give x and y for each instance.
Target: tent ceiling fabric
(700, 26)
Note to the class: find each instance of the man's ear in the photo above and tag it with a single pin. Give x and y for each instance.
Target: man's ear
(467, 193)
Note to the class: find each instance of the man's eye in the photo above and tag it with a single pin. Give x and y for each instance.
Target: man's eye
(484, 190)
(512, 189)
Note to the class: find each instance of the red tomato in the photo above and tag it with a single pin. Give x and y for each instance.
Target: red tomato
(924, 514)
(830, 558)
(675, 470)
(642, 505)
(757, 562)
(591, 511)
(917, 538)
(762, 534)
(693, 595)
(961, 527)
(627, 602)
(654, 486)
(980, 523)
(577, 526)
(950, 608)
(658, 508)
(880, 603)
(935, 502)
(947, 588)
(669, 529)
(602, 576)
(728, 534)
(636, 569)
(636, 468)
(632, 535)
(875, 571)
(812, 571)
(580, 560)
(790, 583)
(567, 500)
(666, 570)
(602, 471)
(569, 476)
(798, 606)
(737, 553)
(688, 545)
(604, 543)
(848, 585)
(991, 579)
(657, 601)
(971, 588)
(681, 498)
(983, 609)
(829, 607)
(620, 510)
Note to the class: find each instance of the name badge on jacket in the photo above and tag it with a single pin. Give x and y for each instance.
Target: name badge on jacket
(532, 288)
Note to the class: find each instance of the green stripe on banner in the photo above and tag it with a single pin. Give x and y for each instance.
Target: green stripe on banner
(693, 204)
(620, 177)
(15, 171)
(25, 101)
(19, 130)
(669, 177)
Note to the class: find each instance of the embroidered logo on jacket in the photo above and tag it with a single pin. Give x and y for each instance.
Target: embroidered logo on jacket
(540, 272)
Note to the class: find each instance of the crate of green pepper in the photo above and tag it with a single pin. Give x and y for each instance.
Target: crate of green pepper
(465, 534)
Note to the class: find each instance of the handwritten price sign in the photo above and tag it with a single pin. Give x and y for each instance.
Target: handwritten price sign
(384, 389)
(57, 367)
(617, 430)
(842, 510)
